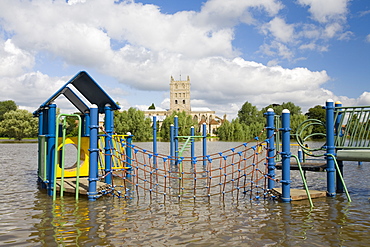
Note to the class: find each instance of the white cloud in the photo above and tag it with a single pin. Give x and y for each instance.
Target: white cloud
(141, 47)
(220, 13)
(14, 61)
(364, 99)
(324, 11)
(280, 30)
(31, 89)
(368, 38)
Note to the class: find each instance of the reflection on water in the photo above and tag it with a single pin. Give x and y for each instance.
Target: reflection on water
(28, 217)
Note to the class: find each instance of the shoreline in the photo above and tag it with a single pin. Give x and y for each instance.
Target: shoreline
(21, 141)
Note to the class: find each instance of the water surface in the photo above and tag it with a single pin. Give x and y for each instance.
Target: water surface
(28, 217)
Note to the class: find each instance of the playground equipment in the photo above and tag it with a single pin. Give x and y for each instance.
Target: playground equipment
(128, 171)
(88, 121)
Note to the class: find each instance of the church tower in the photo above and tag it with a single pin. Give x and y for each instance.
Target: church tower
(180, 95)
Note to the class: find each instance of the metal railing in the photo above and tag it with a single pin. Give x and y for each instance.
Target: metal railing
(352, 127)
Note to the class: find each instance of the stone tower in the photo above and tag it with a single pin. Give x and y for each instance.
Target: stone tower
(180, 95)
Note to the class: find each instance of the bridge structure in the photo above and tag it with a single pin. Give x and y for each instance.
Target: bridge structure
(110, 164)
(347, 138)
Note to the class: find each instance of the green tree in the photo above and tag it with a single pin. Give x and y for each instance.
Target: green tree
(318, 113)
(278, 109)
(296, 121)
(6, 106)
(72, 126)
(225, 131)
(185, 123)
(151, 107)
(249, 114)
(18, 124)
(135, 122)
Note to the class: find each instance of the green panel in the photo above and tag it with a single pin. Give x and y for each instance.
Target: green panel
(42, 158)
(354, 155)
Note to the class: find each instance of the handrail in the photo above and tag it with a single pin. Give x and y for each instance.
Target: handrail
(303, 179)
(352, 126)
(341, 177)
(64, 124)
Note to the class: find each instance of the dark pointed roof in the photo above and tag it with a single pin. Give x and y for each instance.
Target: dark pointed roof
(92, 92)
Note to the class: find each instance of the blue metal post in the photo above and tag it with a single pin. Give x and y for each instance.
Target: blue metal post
(300, 155)
(41, 123)
(45, 124)
(285, 156)
(129, 151)
(192, 149)
(204, 144)
(94, 152)
(155, 140)
(330, 148)
(175, 136)
(108, 143)
(271, 151)
(86, 129)
(172, 142)
(51, 147)
(338, 133)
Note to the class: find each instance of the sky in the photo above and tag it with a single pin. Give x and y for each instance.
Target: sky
(234, 51)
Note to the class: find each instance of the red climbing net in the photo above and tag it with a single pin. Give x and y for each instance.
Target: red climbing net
(239, 171)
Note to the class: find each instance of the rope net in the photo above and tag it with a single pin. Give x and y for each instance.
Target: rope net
(240, 172)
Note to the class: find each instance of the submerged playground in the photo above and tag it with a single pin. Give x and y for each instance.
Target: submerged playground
(107, 164)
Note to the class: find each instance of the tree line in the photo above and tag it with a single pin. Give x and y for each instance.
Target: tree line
(18, 124)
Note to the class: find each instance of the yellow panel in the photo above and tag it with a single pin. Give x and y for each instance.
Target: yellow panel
(84, 157)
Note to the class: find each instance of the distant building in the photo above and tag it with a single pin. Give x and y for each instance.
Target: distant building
(180, 101)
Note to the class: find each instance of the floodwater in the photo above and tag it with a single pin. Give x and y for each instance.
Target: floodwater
(28, 217)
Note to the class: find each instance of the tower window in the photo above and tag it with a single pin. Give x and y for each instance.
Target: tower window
(183, 102)
(176, 102)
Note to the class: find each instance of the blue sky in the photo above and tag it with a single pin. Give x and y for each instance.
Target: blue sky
(263, 52)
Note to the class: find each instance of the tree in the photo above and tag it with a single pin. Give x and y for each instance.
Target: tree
(185, 122)
(151, 107)
(318, 113)
(135, 122)
(249, 114)
(278, 109)
(6, 106)
(296, 121)
(18, 124)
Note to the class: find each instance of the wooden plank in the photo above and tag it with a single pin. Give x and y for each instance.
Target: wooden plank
(299, 194)
(70, 185)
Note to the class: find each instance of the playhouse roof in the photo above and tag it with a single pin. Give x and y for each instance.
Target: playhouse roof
(88, 88)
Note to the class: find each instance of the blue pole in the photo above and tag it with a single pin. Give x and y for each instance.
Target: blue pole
(51, 147)
(338, 133)
(45, 124)
(175, 135)
(271, 151)
(41, 122)
(204, 144)
(192, 149)
(86, 128)
(108, 144)
(94, 152)
(285, 156)
(300, 155)
(129, 151)
(330, 148)
(155, 139)
(172, 142)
